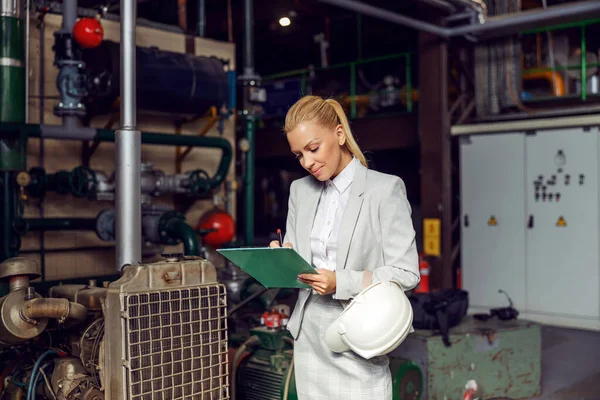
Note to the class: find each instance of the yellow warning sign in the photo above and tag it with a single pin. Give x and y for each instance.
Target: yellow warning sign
(432, 227)
(432, 247)
(492, 221)
(561, 221)
(432, 236)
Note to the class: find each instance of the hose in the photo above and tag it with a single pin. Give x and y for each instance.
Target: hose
(251, 341)
(289, 374)
(33, 377)
(60, 309)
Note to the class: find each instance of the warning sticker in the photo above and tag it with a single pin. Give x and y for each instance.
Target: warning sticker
(492, 221)
(561, 222)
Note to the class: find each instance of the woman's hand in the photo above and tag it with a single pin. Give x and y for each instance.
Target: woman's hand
(323, 282)
(275, 243)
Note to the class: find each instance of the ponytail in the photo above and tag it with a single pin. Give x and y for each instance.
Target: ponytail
(350, 141)
(326, 112)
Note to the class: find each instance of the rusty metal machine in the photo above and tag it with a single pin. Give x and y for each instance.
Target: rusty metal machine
(158, 332)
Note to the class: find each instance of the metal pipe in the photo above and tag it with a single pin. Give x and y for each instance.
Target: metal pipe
(248, 38)
(128, 198)
(493, 27)
(443, 5)
(506, 24)
(389, 16)
(150, 138)
(60, 309)
(128, 143)
(12, 62)
(477, 6)
(69, 15)
(18, 282)
(27, 35)
(250, 180)
(128, 59)
(55, 224)
(201, 17)
(178, 229)
(11, 8)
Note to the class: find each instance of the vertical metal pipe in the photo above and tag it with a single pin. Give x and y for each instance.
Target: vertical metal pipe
(250, 178)
(201, 17)
(27, 7)
(128, 143)
(128, 89)
(69, 15)
(249, 37)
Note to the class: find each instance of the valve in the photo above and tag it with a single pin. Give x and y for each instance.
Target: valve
(199, 183)
(83, 181)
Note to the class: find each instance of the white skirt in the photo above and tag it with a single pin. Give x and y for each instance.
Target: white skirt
(323, 374)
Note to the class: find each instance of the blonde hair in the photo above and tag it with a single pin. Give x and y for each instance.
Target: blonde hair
(326, 112)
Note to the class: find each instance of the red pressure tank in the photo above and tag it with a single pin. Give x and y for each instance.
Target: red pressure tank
(88, 32)
(223, 223)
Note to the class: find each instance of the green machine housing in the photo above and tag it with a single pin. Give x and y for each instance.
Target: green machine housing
(503, 357)
(267, 369)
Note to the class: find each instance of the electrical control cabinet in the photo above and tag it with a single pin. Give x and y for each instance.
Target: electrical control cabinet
(493, 204)
(530, 223)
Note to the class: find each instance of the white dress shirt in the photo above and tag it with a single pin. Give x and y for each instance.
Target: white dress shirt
(332, 203)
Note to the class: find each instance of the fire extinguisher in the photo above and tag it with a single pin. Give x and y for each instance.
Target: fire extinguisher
(423, 286)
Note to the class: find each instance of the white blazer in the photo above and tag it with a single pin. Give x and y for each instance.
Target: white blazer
(376, 235)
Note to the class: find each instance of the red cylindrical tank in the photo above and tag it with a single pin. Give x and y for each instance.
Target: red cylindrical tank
(88, 32)
(224, 224)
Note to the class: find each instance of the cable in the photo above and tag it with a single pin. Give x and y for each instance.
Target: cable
(33, 377)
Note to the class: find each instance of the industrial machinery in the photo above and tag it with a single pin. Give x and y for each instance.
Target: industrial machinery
(167, 82)
(160, 330)
(263, 366)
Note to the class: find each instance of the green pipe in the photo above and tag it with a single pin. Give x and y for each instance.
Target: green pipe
(12, 70)
(178, 229)
(577, 24)
(303, 84)
(583, 66)
(149, 138)
(408, 85)
(249, 182)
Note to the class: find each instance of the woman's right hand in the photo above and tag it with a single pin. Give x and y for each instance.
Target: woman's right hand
(275, 243)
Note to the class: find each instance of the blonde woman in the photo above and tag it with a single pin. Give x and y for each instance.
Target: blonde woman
(354, 225)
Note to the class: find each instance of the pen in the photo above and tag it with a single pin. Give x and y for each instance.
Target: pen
(280, 240)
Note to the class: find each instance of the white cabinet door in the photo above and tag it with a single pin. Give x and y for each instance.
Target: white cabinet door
(493, 218)
(562, 241)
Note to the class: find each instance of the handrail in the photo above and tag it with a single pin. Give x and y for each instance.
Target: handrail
(582, 25)
(303, 73)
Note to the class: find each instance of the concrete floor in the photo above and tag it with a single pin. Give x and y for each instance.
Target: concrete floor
(570, 364)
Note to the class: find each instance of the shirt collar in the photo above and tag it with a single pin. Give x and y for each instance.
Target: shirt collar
(344, 179)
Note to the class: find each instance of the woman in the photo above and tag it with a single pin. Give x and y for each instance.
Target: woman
(352, 224)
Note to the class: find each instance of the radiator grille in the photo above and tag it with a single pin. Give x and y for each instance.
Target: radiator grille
(176, 344)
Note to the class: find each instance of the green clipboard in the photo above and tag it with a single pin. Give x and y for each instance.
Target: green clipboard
(273, 267)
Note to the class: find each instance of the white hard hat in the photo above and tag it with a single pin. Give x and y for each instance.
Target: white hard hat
(374, 323)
